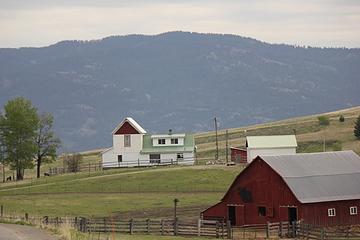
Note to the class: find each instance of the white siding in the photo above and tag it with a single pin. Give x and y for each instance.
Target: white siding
(253, 153)
(168, 142)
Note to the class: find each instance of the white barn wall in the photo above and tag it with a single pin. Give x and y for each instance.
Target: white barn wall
(253, 153)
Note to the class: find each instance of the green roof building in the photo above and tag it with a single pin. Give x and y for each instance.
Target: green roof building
(133, 146)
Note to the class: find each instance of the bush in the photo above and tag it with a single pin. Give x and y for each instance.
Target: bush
(323, 120)
(357, 128)
(72, 162)
(341, 118)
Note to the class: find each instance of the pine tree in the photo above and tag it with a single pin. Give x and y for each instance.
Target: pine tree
(357, 128)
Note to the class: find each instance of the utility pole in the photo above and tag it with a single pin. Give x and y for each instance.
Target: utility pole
(227, 146)
(216, 141)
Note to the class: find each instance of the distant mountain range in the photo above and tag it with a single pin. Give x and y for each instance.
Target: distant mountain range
(177, 80)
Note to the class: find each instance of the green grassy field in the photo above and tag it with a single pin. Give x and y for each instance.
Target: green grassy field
(135, 192)
(149, 192)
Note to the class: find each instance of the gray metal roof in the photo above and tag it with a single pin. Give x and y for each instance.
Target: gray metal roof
(319, 177)
(274, 141)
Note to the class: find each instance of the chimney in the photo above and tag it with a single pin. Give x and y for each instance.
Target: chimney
(170, 131)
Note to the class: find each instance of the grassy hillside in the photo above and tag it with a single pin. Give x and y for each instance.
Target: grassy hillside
(309, 133)
(136, 192)
(149, 192)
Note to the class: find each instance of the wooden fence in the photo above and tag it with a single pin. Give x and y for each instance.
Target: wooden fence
(161, 227)
(298, 230)
(307, 231)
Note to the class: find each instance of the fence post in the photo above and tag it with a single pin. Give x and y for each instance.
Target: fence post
(2, 211)
(228, 227)
(148, 225)
(162, 227)
(131, 226)
(217, 229)
(138, 162)
(176, 225)
(280, 229)
(199, 227)
(293, 229)
(26, 217)
(322, 235)
(267, 230)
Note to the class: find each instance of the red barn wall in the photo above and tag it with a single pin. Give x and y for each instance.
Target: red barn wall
(267, 189)
(126, 128)
(317, 213)
(238, 154)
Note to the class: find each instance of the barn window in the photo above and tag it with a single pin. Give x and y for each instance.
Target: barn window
(127, 141)
(161, 141)
(174, 141)
(353, 210)
(154, 158)
(180, 156)
(262, 211)
(331, 212)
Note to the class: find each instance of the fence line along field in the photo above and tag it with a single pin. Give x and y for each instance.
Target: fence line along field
(133, 192)
(149, 191)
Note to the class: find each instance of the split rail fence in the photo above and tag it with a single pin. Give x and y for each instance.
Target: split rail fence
(158, 227)
(207, 228)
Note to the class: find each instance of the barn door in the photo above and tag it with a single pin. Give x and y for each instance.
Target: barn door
(232, 215)
(292, 214)
(236, 215)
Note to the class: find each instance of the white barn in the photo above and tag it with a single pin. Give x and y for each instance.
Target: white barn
(133, 146)
(270, 145)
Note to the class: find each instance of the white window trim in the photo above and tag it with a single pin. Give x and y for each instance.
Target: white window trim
(353, 210)
(331, 212)
(127, 143)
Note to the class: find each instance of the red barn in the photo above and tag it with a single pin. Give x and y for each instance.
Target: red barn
(238, 155)
(320, 188)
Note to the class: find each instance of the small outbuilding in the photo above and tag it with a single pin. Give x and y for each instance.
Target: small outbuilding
(238, 155)
(320, 188)
(270, 145)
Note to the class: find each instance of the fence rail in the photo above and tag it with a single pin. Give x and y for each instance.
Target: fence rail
(94, 167)
(162, 227)
(133, 226)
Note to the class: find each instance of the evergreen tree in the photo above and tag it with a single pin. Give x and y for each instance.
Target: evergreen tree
(357, 128)
(19, 124)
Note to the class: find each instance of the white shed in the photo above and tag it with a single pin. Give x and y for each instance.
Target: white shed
(270, 145)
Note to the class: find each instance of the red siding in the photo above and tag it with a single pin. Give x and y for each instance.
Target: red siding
(269, 190)
(317, 213)
(126, 128)
(238, 155)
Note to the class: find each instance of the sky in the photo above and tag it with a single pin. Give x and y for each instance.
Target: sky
(321, 23)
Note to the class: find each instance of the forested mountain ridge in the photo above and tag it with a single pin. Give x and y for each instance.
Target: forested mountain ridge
(176, 80)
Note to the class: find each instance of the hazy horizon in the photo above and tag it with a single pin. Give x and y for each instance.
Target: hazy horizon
(324, 23)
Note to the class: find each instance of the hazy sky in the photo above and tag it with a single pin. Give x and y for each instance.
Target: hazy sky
(302, 22)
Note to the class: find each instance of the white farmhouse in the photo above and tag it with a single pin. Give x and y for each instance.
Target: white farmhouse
(270, 145)
(133, 146)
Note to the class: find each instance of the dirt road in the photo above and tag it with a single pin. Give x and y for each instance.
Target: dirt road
(19, 232)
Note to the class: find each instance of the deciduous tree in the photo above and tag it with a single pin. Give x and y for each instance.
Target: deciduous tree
(19, 124)
(46, 142)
